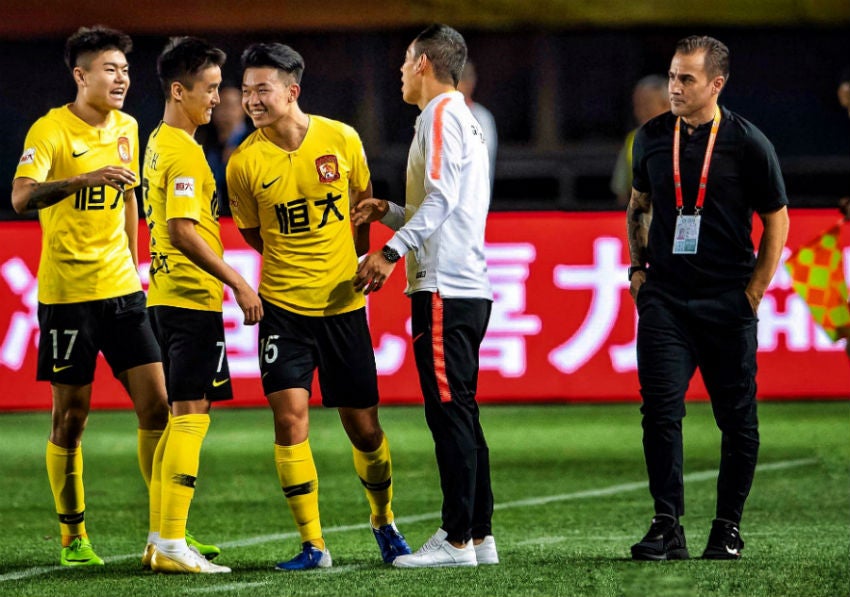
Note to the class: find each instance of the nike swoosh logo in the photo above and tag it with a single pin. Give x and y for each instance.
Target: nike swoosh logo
(218, 383)
(268, 184)
(62, 368)
(417, 336)
(76, 155)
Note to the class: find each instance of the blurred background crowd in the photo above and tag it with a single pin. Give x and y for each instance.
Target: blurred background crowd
(558, 78)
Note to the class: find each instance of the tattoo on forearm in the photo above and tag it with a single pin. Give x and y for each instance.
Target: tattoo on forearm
(638, 219)
(46, 194)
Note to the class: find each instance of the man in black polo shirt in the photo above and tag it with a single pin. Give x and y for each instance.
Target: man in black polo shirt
(700, 171)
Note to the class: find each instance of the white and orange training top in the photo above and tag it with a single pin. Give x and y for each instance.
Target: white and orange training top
(441, 227)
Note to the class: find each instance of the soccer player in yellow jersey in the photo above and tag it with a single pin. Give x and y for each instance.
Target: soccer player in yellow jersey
(290, 185)
(186, 290)
(79, 169)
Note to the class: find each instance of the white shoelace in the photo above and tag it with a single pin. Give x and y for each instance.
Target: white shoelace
(434, 542)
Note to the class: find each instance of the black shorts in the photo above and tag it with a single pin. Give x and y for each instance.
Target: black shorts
(193, 353)
(292, 346)
(71, 335)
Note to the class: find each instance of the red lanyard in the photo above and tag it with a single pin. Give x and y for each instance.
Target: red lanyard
(703, 179)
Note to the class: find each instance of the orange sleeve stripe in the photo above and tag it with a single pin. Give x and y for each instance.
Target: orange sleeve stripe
(437, 139)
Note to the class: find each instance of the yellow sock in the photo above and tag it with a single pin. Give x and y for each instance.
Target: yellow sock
(65, 472)
(180, 461)
(148, 440)
(299, 480)
(375, 470)
(155, 485)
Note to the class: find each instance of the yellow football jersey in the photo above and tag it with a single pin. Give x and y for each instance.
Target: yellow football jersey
(300, 202)
(85, 253)
(178, 183)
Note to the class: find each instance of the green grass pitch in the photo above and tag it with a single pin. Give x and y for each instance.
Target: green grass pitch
(571, 495)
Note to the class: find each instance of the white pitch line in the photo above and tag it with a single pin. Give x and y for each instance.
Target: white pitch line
(226, 588)
(539, 501)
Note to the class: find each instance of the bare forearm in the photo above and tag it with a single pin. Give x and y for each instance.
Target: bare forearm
(185, 239)
(361, 239)
(361, 231)
(202, 256)
(30, 195)
(253, 238)
(131, 224)
(770, 250)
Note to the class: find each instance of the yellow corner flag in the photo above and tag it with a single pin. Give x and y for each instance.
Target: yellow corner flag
(817, 275)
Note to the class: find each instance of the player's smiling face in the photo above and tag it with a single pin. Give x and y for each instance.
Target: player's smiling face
(199, 101)
(267, 94)
(104, 80)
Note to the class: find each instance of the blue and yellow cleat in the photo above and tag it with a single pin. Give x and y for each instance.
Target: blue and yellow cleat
(309, 558)
(391, 542)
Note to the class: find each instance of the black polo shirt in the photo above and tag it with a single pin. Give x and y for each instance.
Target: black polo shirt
(743, 178)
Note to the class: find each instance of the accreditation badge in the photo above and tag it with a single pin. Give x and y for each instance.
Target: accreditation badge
(686, 237)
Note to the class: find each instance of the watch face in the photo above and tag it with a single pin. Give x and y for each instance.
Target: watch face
(390, 254)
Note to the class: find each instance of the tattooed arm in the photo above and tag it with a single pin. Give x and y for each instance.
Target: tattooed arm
(27, 194)
(638, 218)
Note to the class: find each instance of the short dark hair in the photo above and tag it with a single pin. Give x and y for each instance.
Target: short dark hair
(844, 77)
(445, 48)
(653, 82)
(274, 55)
(716, 53)
(89, 40)
(183, 58)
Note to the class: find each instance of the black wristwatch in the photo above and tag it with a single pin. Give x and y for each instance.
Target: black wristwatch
(390, 254)
(636, 268)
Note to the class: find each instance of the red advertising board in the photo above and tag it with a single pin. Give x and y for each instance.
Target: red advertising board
(562, 328)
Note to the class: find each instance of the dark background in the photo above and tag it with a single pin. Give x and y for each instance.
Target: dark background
(561, 97)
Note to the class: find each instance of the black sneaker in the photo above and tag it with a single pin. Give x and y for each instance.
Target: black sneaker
(665, 540)
(724, 541)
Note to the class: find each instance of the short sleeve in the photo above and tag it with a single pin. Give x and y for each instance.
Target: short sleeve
(360, 174)
(243, 204)
(640, 177)
(765, 185)
(185, 189)
(39, 153)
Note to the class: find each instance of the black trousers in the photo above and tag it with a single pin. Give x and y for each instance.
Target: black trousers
(447, 334)
(675, 336)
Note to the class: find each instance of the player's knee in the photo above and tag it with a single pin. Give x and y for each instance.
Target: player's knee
(154, 418)
(152, 411)
(290, 423)
(68, 426)
(366, 439)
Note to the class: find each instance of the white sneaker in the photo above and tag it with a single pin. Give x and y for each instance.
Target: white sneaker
(188, 562)
(433, 542)
(485, 552)
(438, 552)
